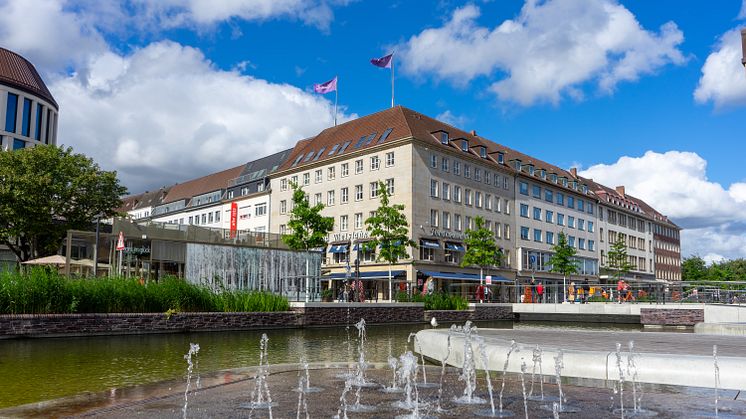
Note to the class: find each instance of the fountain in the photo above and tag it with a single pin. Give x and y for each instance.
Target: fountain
(424, 383)
(491, 412)
(468, 371)
(307, 388)
(358, 378)
(302, 397)
(439, 407)
(523, 387)
(260, 395)
(193, 351)
(393, 364)
(717, 377)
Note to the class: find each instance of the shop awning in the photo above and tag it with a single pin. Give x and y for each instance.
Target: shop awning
(463, 276)
(341, 248)
(456, 247)
(362, 246)
(431, 244)
(371, 275)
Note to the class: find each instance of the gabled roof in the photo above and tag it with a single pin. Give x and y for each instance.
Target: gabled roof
(204, 184)
(143, 200)
(18, 72)
(258, 169)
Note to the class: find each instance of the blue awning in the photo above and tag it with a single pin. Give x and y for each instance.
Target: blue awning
(342, 248)
(456, 247)
(362, 247)
(432, 244)
(463, 276)
(370, 275)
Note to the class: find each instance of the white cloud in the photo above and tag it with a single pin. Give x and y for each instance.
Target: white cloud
(458, 121)
(676, 184)
(742, 14)
(723, 80)
(165, 114)
(552, 49)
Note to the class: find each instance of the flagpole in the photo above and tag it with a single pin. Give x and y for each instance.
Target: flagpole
(336, 94)
(392, 80)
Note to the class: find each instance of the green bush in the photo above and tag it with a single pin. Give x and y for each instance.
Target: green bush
(41, 291)
(437, 301)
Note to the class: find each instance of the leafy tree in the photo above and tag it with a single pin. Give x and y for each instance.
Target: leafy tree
(481, 249)
(694, 268)
(563, 261)
(45, 191)
(618, 261)
(308, 228)
(389, 230)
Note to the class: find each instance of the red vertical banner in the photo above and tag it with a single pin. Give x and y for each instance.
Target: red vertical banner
(234, 219)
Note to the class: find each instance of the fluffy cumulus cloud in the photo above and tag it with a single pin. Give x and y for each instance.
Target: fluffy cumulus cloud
(165, 114)
(723, 80)
(676, 184)
(552, 49)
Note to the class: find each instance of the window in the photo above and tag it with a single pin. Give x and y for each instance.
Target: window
(210, 218)
(570, 202)
(358, 166)
(549, 216)
(537, 235)
(467, 197)
(507, 231)
(457, 194)
(498, 230)
(260, 209)
(523, 188)
(358, 220)
(478, 199)
(498, 204)
(18, 144)
(590, 226)
(444, 164)
(283, 206)
(537, 213)
(488, 202)
(294, 180)
(427, 253)
(524, 233)
(581, 224)
(389, 159)
(204, 218)
(550, 237)
(318, 176)
(39, 114)
(446, 220)
(433, 161)
(457, 222)
(390, 186)
(560, 198)
(331, 173)
(191, 220)
(571, 241)
(477, 174)
(283, 185)
(343, 223)
(548, 195)
(591, 245)
(524, 210)
(11, 113)
(507, 207)
(536, 191)
(433, 218)
(283, 229)
(581, 243)
(457, 168)
(330, 197)
(373, 190)
(581, 205)
(317, 198)
(434, 190)
(467, 171)
(26, 118)
(345, 169)
(571, 221)
(375, 162)
(467, 222)
(306, 179)
(560, 219)
(497, 180)
(344, 195)
(358, 192)
(487, 177)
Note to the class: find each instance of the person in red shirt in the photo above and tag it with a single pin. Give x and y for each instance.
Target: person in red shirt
(480, 293)
(540, 292)
(620, 287)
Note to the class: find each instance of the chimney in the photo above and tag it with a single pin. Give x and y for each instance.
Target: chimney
(620, 190)
(574, 172)
(474, 133)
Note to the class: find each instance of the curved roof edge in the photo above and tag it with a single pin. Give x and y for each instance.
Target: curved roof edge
(18, 72)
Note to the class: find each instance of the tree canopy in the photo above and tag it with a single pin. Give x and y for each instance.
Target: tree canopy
(481, 249)
(618, 261)
(562, 260)
(45, 191)
(308, 228)
(694, 268)
(389, 229)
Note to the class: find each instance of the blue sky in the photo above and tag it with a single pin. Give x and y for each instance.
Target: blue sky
(646, 94)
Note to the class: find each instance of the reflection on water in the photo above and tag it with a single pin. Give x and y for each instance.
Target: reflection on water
(32, 370)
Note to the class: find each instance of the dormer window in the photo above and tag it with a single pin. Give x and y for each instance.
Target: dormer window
(444, 137)
(585, 188)
(564, 181)
(483, 152)
(501, 157)
(543, 174)
(531, 169)
(517, 164)
(575, 185)
(464, 145)
(553, 177)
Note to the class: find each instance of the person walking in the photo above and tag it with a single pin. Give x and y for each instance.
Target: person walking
(586, 290)
(571, 293)
(533, 290)
(540, 292)
(620, 289)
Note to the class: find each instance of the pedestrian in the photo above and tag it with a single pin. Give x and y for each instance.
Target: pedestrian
(533, 290)
(620, 285)
(540, 291)
(586, 290)
(480, 293)
(579, 294)
(488, 294)
(571, 293)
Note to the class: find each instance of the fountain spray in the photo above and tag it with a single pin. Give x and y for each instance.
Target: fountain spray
(193, 350)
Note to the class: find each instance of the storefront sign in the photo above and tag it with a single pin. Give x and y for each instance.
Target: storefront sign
(446, 234)
(338, 237)
(234, 219)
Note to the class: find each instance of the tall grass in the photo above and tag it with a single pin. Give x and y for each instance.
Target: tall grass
(41, 291)
(437, 301)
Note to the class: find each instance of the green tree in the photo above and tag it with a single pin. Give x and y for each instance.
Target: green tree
(563, 261)
(617, 259)
(693, 268)
(389, 230)
(481, 249)
(45, 191)
(308, 228)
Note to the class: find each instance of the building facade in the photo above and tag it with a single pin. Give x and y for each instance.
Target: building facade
(28, 112)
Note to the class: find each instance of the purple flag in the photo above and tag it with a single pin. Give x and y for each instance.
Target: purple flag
(383, 62)
(330, 86)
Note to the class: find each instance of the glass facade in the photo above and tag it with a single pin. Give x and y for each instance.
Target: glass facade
(11, 112)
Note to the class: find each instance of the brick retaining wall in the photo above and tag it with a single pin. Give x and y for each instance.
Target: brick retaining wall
(332, 314)
(672, 317)
(476, 312)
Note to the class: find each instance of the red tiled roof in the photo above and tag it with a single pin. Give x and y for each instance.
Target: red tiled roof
(19, 73)
(202, 185)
